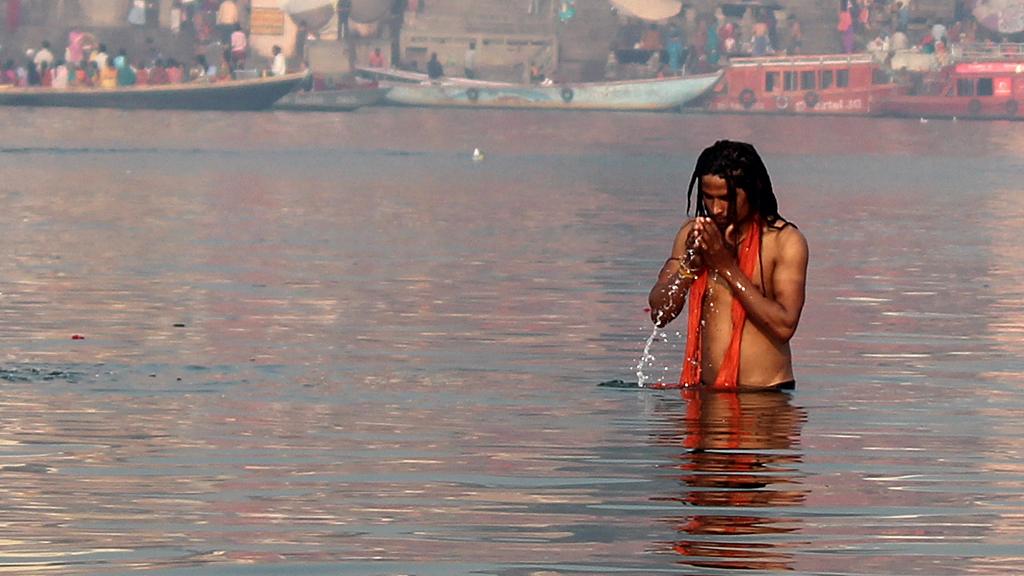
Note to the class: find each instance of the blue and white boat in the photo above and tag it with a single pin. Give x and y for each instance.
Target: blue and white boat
(649, 94)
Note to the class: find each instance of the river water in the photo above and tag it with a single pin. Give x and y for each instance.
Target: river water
(280, 343)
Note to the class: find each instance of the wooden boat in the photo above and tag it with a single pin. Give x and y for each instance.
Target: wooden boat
(653, 94)
(343, 99)
(252, 94)
(987, 85)
(850, 84)
(395, 76)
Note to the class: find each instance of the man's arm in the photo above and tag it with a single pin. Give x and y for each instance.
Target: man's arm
(777, 317)
(668, 295)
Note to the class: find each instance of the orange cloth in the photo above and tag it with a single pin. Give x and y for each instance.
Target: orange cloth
(728, 372)
(845, 21)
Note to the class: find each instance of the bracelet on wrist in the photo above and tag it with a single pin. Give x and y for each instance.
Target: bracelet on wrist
(686, 274)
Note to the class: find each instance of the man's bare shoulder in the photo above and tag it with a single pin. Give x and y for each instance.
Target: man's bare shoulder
(688, 225)
(786, 236)
(684, 231)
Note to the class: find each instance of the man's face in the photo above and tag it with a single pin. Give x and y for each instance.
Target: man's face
(716, 201)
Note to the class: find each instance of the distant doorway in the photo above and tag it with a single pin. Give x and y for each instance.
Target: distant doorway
(152, 13)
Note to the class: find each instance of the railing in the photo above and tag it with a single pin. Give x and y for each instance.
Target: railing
(802, 60)
(979, 52)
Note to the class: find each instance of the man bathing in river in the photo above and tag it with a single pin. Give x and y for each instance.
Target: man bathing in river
(745, 268)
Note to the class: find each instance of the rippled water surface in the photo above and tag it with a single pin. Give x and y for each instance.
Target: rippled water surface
(279, 343)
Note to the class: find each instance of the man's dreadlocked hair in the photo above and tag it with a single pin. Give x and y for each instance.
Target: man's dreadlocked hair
(740, 166)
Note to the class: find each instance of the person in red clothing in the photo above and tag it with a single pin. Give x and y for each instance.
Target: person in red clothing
(376, 59)
(141, 75)
(745, 269)
(45, 75)
(847, 36)
(158, 75)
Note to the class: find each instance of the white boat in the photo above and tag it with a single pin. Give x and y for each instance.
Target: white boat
(652, 94)
(395, 76)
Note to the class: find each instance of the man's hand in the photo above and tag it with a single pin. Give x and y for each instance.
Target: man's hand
(692, 260)
(716, 253)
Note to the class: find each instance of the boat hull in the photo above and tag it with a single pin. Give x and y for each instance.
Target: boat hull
(910, 106)
(819, 84)
(865, 102)
(647, 95)
(987, 84)
(254, 94)
(331, 100)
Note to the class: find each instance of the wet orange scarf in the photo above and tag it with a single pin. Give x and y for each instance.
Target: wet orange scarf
(728, 372)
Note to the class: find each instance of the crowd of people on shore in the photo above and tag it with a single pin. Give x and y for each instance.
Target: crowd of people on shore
(100, 69)
(884, 28)
(699, 43)
(86, 66)
(215, 25)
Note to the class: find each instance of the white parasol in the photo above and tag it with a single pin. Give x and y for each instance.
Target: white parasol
(1003, 16)
(652, 10)
(317, 13)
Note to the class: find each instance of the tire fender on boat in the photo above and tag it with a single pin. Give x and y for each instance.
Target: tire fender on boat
(747, 98)
(1011, 108)
(567, 94)
(782, 102)
(811, 99)
(473, 94)
(974, 107)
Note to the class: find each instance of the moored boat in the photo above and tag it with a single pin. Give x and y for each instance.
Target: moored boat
(251, 94)
(649, 95)
(989, 87)
(395, 76)
(342, 99)
(848, 84)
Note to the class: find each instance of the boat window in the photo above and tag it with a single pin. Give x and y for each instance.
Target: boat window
(985, 87)
(807, 80)
(826, 79)
(842, 78)
(789, 81)
(771, 80)
(879, 76)
(964, 87)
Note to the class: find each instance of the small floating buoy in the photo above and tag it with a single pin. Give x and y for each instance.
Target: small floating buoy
(478, 156)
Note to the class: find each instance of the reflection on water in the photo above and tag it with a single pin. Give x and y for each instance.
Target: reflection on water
(334, 344)
(738, 474)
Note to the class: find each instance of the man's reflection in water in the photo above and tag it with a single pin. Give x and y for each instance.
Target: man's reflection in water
(739, 470)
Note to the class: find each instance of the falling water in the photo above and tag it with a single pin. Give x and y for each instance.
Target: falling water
(646, 358)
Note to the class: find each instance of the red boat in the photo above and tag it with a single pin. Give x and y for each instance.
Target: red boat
(852, 84)
(983, 90)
